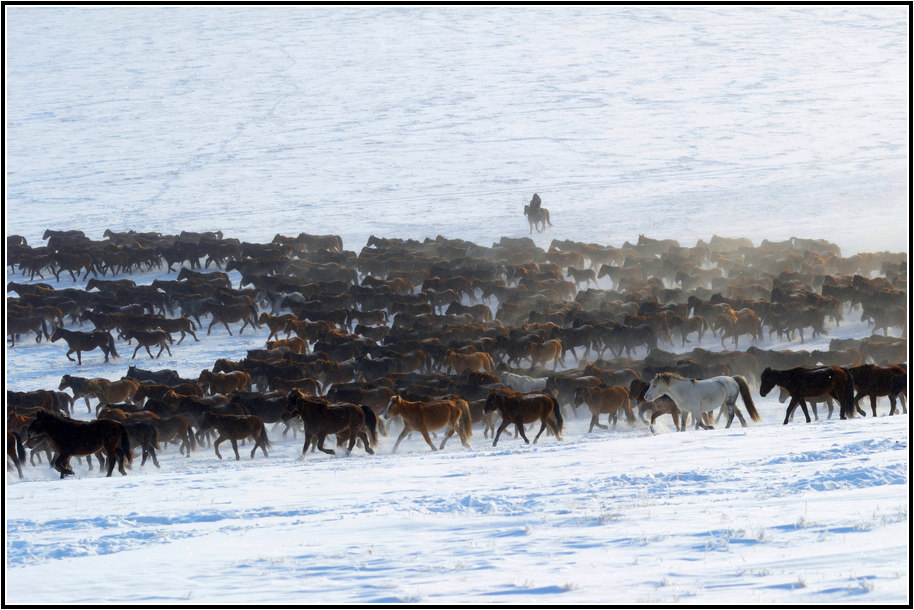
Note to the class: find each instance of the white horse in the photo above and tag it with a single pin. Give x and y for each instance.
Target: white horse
(697, 396)
(523, 383)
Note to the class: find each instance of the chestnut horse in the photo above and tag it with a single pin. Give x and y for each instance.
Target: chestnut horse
(427, 416)
(234, 427)
(520, 409)
(473, 361)
(110, 392)
(608, 399)
(224, 383)
(70, 437)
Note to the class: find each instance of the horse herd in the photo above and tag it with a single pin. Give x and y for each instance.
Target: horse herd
(441, 335)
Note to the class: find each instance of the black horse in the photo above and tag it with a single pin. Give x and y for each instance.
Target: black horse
(70, 437)
(804, 383)
(80, 342)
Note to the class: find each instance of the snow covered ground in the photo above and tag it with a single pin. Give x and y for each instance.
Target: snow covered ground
(681, 122)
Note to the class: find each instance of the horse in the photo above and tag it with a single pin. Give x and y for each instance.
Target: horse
(827, 400)
(83, 342)
(520, 409)
(142, 434)
(321, 417)
(537, 217)
(176, 428)
(805, 383)
(608, 399)
(147, 338)
(662, 405)
(219, 383)
(698, 396)
(427, 416)
(540, 353)
(110, 392)
(77, 385)
(874, 381)
(473, 361)
(582, 276)
(234, 427)
(523, 383)
(70, 437)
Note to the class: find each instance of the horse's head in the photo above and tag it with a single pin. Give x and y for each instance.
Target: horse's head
(393, 407)
(64, 382)
(493, 400)
(656, 388)
(767, 381)
(57, 334)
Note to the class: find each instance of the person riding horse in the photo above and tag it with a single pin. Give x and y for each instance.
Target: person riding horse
(536, 214)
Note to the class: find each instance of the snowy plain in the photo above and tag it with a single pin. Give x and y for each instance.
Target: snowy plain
(673, 122)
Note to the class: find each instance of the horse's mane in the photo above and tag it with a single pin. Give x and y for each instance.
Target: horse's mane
(668, 375)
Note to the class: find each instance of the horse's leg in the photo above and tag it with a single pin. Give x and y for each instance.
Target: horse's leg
(504, 424)
(320, 444)
(400, 438)
(168, 349)
(594, 422)
(367, 445)
(873, 404)
(684, 417)
(216, 445)
(544, 420)
(138, 346)
(739, 414)
(235, 447)
(227, 328)
(450, 433)
(428, 440)
(521, 429)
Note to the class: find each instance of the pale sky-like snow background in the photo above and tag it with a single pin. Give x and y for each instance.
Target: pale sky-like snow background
(674, 122)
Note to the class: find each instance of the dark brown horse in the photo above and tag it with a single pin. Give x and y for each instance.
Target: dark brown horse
(147, 339)
(321, 417)
(80, 342)
(520, 409)
(537, 217)
(804, 382)
(70, 437)
(874, 381)
(234, 427)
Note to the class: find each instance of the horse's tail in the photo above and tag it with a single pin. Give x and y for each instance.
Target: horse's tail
(110, 341)
(123, 447)
(371, 420)
(264, 439)
(465, 422)
(578, 399)
(848, 407)
(191, 440)
(546, 216)
(557, 413)
(20, 448)
(628, 410)
(747, 398)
